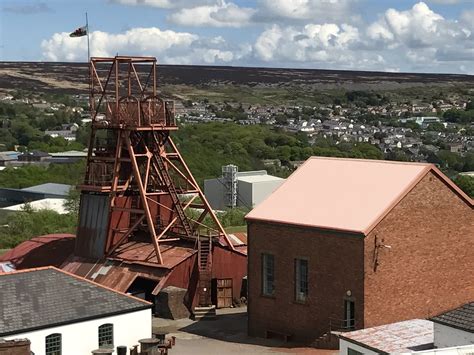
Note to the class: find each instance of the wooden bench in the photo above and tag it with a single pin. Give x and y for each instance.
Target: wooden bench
(285, 336)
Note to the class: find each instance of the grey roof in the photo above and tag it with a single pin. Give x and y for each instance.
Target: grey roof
(50, 188)
(47, 297)
(460, 318)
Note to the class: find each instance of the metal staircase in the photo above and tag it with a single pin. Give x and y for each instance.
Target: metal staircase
(205, 310)
(173, 194)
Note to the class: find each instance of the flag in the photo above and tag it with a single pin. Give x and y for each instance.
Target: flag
(81, 31)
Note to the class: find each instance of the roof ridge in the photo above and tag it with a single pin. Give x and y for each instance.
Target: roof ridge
(380, 161)
(100, 285)
(42, 268)
(22, 271)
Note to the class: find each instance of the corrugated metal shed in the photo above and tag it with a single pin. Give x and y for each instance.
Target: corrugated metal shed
(52, 249)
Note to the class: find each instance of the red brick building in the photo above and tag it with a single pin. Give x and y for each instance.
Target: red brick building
(350, 244)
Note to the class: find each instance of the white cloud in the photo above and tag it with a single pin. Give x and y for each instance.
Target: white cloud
(417, 27)
(446, 2)
(164, 4)
(168, 46)
(413, 39)
(220, 15)
(317, 11)
(314, 44)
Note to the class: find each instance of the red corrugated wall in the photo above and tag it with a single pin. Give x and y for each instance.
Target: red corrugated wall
(225, 264)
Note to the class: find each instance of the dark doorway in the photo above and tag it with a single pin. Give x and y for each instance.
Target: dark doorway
(142, 288)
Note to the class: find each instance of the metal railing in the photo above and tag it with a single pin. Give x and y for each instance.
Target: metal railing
(341, 325)
(130, 111)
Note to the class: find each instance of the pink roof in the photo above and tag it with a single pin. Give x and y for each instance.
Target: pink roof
(343, 194)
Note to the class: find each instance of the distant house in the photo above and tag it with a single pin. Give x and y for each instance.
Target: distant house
(61, 313)
(348, 244)
(67, 131)
(67, 157)
(8, 156)
(34, 156)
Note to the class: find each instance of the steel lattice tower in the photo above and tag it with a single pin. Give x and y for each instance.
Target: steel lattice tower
(137, 184)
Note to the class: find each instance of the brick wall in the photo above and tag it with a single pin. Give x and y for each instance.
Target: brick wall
(430, 266)
(335, 266)
(15, 347)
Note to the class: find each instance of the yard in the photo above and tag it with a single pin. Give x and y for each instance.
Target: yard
(227, 334)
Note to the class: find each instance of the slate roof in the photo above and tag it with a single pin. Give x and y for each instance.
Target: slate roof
(460, 318)
(46, 297)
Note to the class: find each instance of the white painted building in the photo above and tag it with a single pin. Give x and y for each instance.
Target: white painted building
(448, 333)
(58, 311)
(455, 327)
(240, 189)
(388, 339)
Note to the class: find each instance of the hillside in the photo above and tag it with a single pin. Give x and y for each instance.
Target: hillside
(72, 78)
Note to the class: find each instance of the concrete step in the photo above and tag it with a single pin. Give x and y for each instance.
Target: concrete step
(204, 313)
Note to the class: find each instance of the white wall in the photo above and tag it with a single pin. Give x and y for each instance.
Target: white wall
(344, 345)
(445, 336)
(261, 190)
(245, 194)
(81, 338)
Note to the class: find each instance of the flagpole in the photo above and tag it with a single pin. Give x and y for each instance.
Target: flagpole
(88, 46)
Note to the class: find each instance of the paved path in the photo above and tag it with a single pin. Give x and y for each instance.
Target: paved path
(225, 335)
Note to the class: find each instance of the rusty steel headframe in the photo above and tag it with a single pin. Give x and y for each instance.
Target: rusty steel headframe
(134, 164)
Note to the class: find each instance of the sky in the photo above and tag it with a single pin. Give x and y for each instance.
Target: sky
(380, 35)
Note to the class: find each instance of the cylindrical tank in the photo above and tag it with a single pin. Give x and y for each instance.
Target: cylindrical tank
(121, 350)
(103, 351)
(148, 344)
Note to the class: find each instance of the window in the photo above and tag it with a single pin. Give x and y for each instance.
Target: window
(353, 352)
(106, 336)
(53, 344)
(349, 314)
(268, 274)
(301, 280)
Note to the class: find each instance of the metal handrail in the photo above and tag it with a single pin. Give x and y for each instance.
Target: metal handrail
(342, 325)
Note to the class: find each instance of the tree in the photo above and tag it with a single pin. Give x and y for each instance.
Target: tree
(29, 223)
(465, 183)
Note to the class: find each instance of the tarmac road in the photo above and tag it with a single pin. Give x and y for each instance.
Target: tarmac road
(227, 334)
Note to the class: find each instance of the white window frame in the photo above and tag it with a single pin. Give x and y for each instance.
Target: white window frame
(268, 274)
(301, 280)
(53, 344)
(106, 333)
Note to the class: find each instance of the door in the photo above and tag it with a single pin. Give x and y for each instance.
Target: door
(349, 314)
(224, 293)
